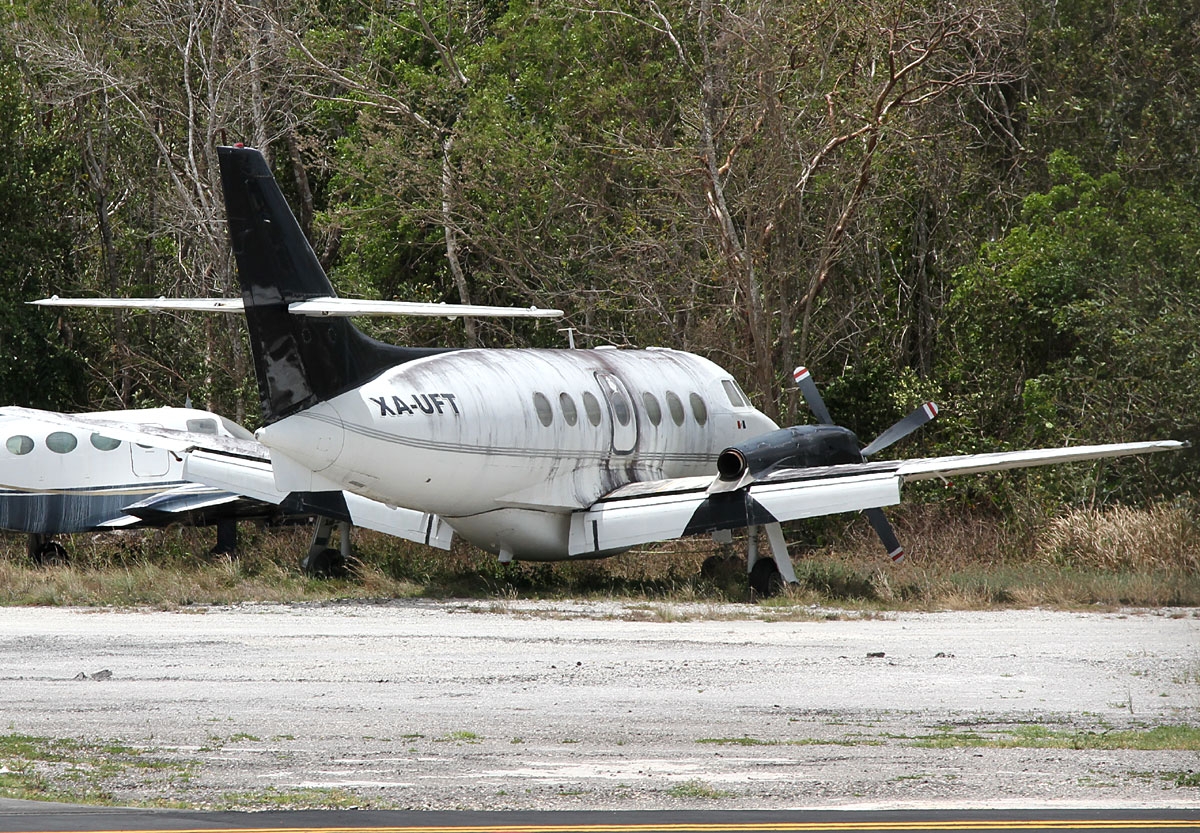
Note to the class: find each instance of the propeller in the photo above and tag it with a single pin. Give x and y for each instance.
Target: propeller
(910, 423)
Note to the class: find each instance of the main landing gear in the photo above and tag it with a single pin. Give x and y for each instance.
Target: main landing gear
(767, 576)
(45, 551)
(322, 560)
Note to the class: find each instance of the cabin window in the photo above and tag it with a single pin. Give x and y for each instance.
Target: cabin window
(699, 409)
(542, 405)
(567, 404)
(202, 426)
(61, 442)
(653, 410)
(20, 444)
(616, 398)
(103, 443)
(591, 405)
(675, 407)
(736, 398)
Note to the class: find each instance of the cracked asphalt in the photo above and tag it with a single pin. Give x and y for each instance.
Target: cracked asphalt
(541, 705)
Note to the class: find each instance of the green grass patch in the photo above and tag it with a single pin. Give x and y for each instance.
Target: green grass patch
(80, 771)
(698, 789)
(1160, 738)
(301, 798)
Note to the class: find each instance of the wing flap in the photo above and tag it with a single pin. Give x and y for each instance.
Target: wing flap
(672, 509)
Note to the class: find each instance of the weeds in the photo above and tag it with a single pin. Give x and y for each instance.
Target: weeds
(957, 560)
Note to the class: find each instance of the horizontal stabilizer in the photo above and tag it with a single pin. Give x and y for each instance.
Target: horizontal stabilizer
(317, 307)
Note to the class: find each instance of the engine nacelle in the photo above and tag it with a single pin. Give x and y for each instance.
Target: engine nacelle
(798, 446)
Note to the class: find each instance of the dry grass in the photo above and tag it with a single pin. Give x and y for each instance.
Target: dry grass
(957, 560)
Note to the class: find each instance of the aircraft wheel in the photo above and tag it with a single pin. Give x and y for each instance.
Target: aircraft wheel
(765, 580)
(51, 554)
(328, 563)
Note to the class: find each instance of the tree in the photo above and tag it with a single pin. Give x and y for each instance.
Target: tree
(36, 211)
(1081, 322)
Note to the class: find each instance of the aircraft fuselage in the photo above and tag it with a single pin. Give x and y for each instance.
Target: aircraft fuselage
(505, 444)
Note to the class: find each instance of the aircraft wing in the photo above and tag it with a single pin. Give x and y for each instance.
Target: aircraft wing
(256, 479)
(329, 306)
(645, 512)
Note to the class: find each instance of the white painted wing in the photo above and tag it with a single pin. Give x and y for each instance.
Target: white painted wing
(336, 307)
(930, 467)
(256, 478)
(642, 513)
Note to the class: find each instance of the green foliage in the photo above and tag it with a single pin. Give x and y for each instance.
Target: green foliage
(35, 253)
(1081, 322)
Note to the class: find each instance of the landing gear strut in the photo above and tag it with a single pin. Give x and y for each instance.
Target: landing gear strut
(768, 575)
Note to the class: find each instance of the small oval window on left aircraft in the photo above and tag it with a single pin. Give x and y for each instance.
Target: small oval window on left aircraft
(61, 442)
(103, 443)
(20, 444)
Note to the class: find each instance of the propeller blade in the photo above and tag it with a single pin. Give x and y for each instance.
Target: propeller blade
(884, 530)
(902, 428)
(812, 396)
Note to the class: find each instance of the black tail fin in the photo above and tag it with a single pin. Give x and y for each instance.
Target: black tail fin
(299, 360)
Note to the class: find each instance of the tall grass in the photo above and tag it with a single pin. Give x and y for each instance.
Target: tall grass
(957, 560)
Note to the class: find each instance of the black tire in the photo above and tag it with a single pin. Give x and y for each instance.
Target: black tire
(329, 563)
(765, 580)
(51, 554)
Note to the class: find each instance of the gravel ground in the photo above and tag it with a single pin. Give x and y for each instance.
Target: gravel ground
(602, 705)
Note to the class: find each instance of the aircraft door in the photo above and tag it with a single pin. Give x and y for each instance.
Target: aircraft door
(620, 410)
(148, 461)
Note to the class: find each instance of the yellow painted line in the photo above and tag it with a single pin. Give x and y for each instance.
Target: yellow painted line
(782, 827)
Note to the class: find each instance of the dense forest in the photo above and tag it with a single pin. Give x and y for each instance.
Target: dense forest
(991, 204)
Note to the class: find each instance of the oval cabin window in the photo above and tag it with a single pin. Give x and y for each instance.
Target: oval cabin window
(19, 444)
(591, 406)
(542, 405)
(699, 409)
(103, 443)
(567, 404)
(653, 410)
(61, 442)
(675, 407)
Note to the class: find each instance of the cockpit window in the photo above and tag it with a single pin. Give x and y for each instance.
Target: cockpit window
(61, 442)
(736, 398)
(103, 443)
(20, 444)
(202, 426)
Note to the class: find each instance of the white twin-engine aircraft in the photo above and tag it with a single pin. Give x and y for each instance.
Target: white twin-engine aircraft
(533, 454)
